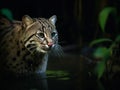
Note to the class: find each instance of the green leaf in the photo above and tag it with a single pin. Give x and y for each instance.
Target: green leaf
(104, 54)
(100, 69)
(7, 13)
(101, 52)
(103, 16)
(100, 41)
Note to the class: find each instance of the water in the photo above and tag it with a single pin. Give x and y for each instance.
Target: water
(70, 82)
(69, 74)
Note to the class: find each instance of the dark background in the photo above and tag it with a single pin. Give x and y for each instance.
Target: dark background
(77, 26)
(77, 19)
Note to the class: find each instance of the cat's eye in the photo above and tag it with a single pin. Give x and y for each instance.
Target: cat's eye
(41, 35)
(53, 34)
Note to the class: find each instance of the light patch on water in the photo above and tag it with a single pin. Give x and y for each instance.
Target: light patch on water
(60, 75)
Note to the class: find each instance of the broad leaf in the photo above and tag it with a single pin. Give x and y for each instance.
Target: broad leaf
(103, 16)
(104, 54)
(101, 52)
(97, 41)
(100, 69)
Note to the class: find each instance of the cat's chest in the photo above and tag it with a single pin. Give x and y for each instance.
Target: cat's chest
(22, 61)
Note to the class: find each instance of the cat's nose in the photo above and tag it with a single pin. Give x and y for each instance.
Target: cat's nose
(50, 44)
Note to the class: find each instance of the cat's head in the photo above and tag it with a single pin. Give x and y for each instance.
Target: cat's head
(39, 34)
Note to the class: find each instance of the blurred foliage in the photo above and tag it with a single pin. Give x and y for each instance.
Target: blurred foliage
(99, 41)
(6, 12)
(104, 53)
(103, 16)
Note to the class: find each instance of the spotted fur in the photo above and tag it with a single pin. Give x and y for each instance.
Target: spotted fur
(26, 44)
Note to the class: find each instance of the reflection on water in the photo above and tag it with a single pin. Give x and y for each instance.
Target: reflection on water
(36, 82)
(28, 82)
(72, 74)
(56, 82)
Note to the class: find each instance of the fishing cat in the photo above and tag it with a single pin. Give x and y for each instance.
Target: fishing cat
(26, 44)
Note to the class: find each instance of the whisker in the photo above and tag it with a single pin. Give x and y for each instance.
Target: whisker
(62, 42)
(57, 51)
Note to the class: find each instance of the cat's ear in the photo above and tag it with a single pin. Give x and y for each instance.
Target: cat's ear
(27, 20)
(53, 19)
